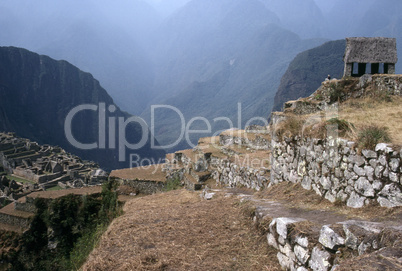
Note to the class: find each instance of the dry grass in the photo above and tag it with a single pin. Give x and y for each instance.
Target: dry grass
(179, 231)
(61, 193)
(149, 173)
(372, 111)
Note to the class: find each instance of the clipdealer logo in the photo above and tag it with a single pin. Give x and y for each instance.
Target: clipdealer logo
(112, 128)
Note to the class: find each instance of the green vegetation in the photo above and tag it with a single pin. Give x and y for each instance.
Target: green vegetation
(173, 184)
(18, 179)
(370, 136)
(55, 188)
(65, 230)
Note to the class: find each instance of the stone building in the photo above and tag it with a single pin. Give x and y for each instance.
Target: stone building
(370, 55)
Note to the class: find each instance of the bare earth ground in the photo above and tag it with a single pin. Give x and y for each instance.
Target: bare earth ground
(180, 231)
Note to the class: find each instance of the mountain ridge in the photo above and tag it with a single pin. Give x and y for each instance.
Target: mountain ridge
(48, 91)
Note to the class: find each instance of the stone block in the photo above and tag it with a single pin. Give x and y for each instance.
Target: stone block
(364, 187)
(369, 154)
(357, 160)
(329, 238)
(390, 196)
(394, 164)
(355, 201)
(285, 262)
(302, 254)
(359, 171)
(320, 260)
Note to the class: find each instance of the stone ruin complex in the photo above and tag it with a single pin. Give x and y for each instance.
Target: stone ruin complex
(380, 53)
(42, 166)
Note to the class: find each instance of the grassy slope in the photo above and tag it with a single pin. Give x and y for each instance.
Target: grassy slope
(179, 231)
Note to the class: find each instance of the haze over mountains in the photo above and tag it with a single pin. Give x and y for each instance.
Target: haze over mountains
(200, 56)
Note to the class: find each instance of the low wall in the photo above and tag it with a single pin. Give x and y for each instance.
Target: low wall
(27, 206)
(334, 169)
(230, 174)
(31, 176)
(17, 221)
(303, 245)
(144, 186)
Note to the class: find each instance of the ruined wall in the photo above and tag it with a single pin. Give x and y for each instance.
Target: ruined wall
(144, 186)
(334, 169)
(230, 174)
(303, 245)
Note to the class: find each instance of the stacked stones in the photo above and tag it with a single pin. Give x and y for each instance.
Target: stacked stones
(334, 169)
(233, 175)
(308, 247)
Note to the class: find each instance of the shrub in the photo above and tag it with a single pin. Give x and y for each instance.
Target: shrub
(173, 184)
(370, 136)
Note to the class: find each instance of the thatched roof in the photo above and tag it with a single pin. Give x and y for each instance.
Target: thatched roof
(370, 50)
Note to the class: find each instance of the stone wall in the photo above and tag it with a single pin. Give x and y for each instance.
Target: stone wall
(17, 221)
(334, 169)
(230, 174)
(303, 245)
(31, 176)
(144, 186)
(27, 206)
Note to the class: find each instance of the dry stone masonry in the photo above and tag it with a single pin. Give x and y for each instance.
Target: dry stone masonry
(42, 166)
(334, 169)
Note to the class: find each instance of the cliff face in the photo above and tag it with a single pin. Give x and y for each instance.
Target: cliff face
(308, 69)
(36, 95)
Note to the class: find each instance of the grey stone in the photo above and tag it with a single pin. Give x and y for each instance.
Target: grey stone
(351, 239)
(390, 196)
(364, 187)
(272, 241)
(394, 164)
(377, 185)
(285, 261)
(306, 183)
(342, 196)
(363, 247)
(329, 238)
(355, 201)
(382, 160)
(373, 163)
(378, 171)
(287, 250)
(369, 172)
(330, 196)
(319, 260)
(369, 154)
(383, 147)
(394, 177)
(302, 254)
(325, 182)
(359, 171)
(282, 225)
(302, 241)
(385, 173)
(358, 160)
(316, 188)
(208, 196)
(301, 268)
